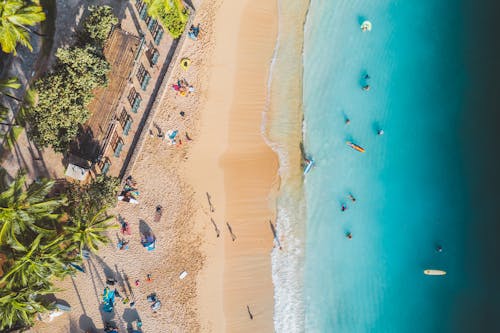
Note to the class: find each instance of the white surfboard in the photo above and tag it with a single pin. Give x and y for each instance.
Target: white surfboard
(434, 272)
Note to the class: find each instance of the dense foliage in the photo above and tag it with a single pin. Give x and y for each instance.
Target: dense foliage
(36, 245)
(100, 192)
(172, 15)
(16, 16)
(99, 23)
(64, 94)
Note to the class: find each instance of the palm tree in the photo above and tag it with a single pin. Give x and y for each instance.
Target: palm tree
(88, 229)
(9, 83)
(34, 266)
(26, 210)
(15, 18)
(19, 307)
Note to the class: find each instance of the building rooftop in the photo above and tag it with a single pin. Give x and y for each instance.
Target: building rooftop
(120, 51)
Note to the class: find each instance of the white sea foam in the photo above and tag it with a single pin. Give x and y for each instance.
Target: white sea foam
(278, 125)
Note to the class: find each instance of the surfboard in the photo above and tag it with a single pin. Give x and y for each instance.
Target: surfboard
(434, 272)
(309, 166)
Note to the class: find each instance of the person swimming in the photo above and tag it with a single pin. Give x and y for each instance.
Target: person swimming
(351, 197)
(366, 87)
(380, 132)
(343, 207)
(348, 235)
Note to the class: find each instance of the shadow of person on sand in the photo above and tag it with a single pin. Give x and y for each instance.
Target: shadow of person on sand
(144, 228)
(86, 324)
(130, 316)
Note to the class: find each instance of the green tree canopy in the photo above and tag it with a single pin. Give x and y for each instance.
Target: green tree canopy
(37, 245)
(171, 13)
(99, 193)
(20, 306)
(16, 16)
(99, 23)
(63, 96)
(33, 249)
(23, 211)
(87, 229)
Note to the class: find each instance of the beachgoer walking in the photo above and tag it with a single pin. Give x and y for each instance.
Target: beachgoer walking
(249, 313)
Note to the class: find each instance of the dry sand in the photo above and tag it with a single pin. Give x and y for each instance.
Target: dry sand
(232, 162)
(228, 158)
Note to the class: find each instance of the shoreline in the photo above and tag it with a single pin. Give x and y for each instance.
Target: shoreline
(284, 131)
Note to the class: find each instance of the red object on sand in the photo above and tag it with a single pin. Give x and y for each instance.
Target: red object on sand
(126, 229)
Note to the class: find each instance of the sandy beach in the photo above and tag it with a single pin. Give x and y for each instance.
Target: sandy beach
(233, 163)
(222, 240)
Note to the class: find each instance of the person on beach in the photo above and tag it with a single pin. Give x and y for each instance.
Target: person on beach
(250, 314)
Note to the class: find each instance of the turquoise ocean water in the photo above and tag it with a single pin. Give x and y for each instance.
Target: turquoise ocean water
(414, 185)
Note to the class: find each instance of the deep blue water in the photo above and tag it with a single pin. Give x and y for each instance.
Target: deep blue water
(431, 179)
